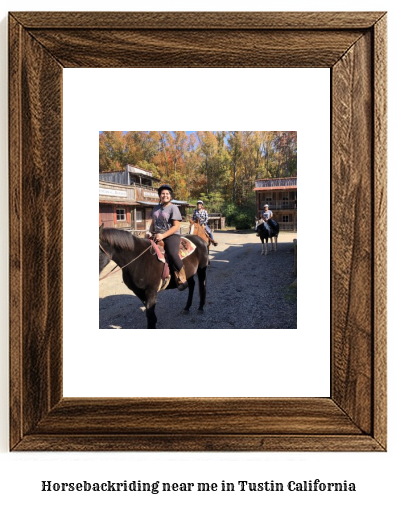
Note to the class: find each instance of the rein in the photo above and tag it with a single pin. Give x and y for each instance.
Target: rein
(118, 268)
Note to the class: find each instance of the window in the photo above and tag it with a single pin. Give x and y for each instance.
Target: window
(120, 215)
(139, 217)
(268, 197)
(285, 218)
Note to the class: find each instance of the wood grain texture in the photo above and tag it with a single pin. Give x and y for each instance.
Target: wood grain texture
(380, 228)
(36, 231)
(352, 256)
(175, 416)
(15, 229)
(201, 20)
(353, 45)
(199, 443)
(196, 48)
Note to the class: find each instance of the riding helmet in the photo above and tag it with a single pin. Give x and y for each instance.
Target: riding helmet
(200, 202)
(265, 205)
(165, 187)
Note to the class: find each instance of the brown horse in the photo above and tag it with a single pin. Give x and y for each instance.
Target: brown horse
(198, 230)
(142, 270)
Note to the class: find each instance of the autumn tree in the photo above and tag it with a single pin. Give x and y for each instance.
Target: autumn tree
(221, 165)
(112, 151)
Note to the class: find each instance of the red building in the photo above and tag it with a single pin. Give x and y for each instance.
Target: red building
(281, 196)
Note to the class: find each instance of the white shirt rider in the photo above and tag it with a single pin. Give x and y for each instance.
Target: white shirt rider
(266, 215)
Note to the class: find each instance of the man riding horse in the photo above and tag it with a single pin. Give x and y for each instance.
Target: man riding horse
(267, 228)
(269, 223)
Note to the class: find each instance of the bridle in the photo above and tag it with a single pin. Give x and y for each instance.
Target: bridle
(118, 268)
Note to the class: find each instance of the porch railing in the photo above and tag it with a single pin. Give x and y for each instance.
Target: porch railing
(285, 226)
(276, 182)
(277, 205)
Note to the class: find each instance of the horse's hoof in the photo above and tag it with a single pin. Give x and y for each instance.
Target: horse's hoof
(185, 312)
(200, 311)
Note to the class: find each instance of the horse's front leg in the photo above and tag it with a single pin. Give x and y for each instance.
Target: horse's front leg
(271, 239)
(202, 277)
(191, 283)
(150, 304)
(264, 247)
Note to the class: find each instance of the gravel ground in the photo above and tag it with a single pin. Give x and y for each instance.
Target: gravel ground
(245, 290)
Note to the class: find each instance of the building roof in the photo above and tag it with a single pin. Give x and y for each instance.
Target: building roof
(281, 178)
(286, 183)
(174, 201)
(138, 170)
(268, 189)
(122, 203)
(148, 203)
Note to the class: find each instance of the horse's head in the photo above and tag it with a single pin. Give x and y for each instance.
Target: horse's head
(195, 227)
(105, 252)
(103, 260)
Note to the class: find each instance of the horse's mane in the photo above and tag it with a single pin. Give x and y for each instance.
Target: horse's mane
(117, 239)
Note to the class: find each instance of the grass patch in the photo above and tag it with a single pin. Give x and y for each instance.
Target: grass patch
(291, 294)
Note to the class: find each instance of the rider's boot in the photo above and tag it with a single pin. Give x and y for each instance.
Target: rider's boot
(181, 279)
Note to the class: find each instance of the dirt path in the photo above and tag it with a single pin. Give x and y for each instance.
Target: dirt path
(245, 290)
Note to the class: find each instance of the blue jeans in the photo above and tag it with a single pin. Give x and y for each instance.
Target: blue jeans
(209, 232)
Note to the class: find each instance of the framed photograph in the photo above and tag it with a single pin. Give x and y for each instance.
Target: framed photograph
(219, 167)
(353, 46)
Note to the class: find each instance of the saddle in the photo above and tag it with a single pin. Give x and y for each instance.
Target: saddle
(270, 226)
(186, 249)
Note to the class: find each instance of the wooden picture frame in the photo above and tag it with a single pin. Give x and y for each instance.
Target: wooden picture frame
(353, 46)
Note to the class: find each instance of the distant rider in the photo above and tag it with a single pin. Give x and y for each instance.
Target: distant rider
(201, 215)
(268, 220)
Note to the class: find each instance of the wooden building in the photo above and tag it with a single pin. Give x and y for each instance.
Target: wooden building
(127, 198)
(281, 196)
(132, 175)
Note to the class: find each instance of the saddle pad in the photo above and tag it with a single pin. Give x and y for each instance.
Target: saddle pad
(186, 249)
(159, 251)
